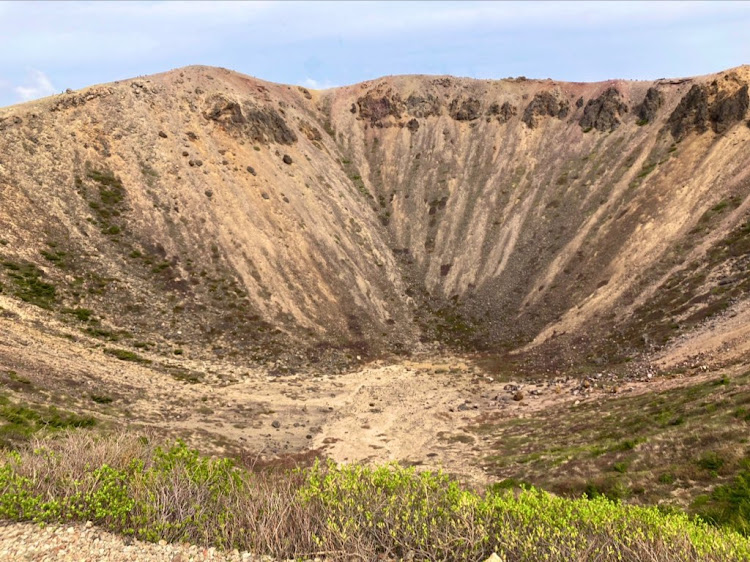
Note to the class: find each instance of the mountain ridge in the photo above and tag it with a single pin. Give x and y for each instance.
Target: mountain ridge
(583, 221)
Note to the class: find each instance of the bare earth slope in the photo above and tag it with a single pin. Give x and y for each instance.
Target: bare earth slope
(205, 212)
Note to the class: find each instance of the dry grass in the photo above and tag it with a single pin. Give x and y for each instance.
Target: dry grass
(129, 484)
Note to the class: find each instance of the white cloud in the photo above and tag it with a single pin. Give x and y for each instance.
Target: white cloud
(318, 85)
(38, 86)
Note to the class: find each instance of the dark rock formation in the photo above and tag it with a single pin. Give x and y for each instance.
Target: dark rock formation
(423, 106)
(413, 125)
(705, 106)
(376, 108)
(690, 114)
(465, 110)
(502, 112)
(604, 112)
(260, 124)
(72, 99)
(545, 104)
(729, 109)
(646, 110)
(579, 102)
(310, 132)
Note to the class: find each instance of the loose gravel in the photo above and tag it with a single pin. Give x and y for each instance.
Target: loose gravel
(27, 542)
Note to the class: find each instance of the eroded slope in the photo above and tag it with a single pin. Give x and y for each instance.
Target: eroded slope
(204, 212)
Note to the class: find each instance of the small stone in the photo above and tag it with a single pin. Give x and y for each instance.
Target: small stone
(162, 134)
(265, 195)
(518, 396)
(276, 424)
(251, 170)
(287, 159)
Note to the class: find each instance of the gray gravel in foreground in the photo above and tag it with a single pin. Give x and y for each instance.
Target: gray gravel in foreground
(26, 542)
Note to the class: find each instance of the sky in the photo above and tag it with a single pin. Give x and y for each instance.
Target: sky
(46, 47)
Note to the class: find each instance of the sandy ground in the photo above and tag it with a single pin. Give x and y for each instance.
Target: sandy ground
(411, 412)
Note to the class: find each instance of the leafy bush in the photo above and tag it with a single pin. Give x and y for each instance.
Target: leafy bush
(82, 314)
(710, 460)
(126, 484)
(730, 504)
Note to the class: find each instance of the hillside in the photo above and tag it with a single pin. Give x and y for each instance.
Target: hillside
(515, 281)
(210, 211)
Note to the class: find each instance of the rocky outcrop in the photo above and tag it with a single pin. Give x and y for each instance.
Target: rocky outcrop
(604, 113)
(647, 109)
(259, 124)
(712, 106)
(729, 109)
(465, 109)
(375, 107)
(690, 114)
(545, 104)
(72, 99)
(504, 112)
(423, 106)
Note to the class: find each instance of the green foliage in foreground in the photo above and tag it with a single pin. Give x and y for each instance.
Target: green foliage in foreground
(127, 485)
(729, 504)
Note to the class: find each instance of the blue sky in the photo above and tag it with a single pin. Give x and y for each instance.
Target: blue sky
(46, 47)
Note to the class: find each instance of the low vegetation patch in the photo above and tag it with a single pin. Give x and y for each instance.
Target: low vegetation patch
(19, 422)
(125, 355)
(124, 483)
(669, 448)
(28, 284)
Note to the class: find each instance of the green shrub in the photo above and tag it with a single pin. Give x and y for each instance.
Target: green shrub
(125, 355)
(126, 484)
(710, 460)
(667, 478)
(29, 287)
(730, 504)
(82, 314)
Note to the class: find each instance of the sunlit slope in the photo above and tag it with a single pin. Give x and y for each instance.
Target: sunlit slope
(205, 206)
